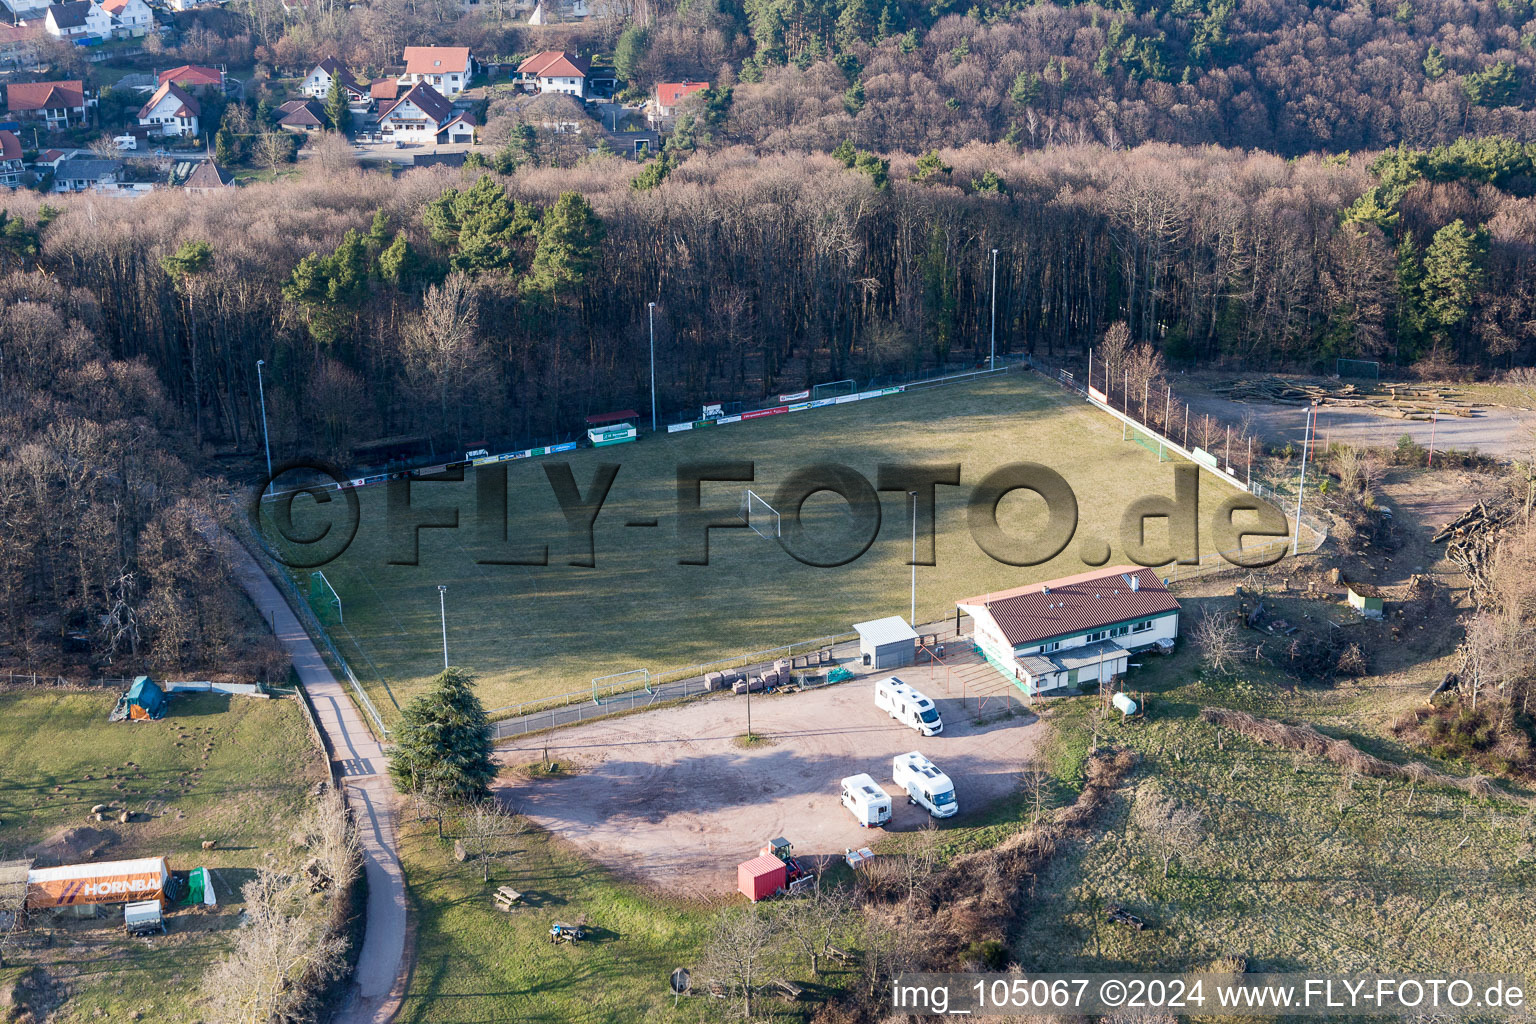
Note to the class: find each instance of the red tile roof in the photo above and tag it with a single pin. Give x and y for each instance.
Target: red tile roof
(17, 33)
(668, 93)
(436, 60)
(1075, 604)
(113, 6)
(384, 89)
(10, 146)
(45, 95)
(188, 108)
(193, 75)
(555, 64)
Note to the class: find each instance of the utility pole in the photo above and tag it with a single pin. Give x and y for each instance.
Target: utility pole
(261, 391)
(442, 607)
(1301, 486)
(651, 307)
(992, 362)
(1434, 421)
(912, 617)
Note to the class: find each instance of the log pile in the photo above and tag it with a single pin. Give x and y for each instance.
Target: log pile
(1470, 540)
(1404, 401)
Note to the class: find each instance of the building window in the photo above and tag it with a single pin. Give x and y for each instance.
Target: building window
(1142, 626)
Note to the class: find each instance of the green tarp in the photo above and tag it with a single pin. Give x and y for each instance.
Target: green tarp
(199, 889)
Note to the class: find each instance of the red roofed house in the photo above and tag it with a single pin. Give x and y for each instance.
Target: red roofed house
(423, 115)
(60, 104)
(383, 91)
(556, 71)
(668, 93)
(207, 176)
(1077, 629)
(446, 69)
(170, 111)
(19, 47)
(194, 78)
(10, 159)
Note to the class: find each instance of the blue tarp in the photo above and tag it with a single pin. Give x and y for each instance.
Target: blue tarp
(146, 695)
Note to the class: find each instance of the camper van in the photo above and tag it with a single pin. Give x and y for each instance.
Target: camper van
(908, 706)
(925, 785)
(866, 801)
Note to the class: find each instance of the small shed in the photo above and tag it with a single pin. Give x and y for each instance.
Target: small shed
(887, 643)
(1365, 599)
(760, 877)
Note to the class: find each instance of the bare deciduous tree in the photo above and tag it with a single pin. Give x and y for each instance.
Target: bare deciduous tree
(813, 921)
(485, 829)
(739, 953)
(1215, 637)
(1169, 827)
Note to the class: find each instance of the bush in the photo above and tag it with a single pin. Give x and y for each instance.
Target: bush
(989, 953)
(1408, 452)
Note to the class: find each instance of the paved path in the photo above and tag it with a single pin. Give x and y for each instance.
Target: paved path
(380, 966)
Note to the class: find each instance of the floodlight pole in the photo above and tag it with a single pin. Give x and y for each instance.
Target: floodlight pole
(1301, 487)
(992, 362)
(261, 390)
(651, 308)
(442, 607)
(913, 616)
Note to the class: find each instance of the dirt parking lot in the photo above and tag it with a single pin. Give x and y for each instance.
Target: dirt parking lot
(669, 798)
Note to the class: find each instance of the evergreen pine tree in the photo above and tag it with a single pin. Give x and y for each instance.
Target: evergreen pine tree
(443, 741)
(224, 148)
(569, 237)
(397, 264)
(336, 110)
(1451, 275)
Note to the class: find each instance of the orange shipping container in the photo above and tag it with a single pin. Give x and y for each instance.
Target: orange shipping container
(111, 882)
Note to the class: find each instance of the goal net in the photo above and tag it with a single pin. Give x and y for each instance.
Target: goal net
(762, 517)
(1370, 369)
(324, 600)
(1148, 442)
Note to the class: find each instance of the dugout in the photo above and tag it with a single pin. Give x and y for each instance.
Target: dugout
(886, 643)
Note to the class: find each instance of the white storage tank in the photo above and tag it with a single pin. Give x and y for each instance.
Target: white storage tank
(1123, 702)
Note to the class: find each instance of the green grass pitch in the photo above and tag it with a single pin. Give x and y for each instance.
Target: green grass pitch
(535, 632)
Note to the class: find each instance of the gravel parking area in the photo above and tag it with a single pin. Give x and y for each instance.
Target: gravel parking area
(669, 798)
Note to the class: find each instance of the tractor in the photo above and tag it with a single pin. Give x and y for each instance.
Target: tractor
(796, 878)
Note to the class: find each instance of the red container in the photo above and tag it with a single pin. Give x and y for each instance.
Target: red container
(760, 877)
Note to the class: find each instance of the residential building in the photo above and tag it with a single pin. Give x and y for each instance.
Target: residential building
(318, 85)
(382, 92)
(82, 173)
(194, 78)
(447, 69)
(131, 19)
(669, 93)
(57, 104)
(26, 12)
(19, 49)
(556, 71)
(79, 20)
(51, 158)
(1079, 629)
(208, 176)
(10, 160)
(302, 116)
(170, 111)
(190, 5)
(424, 115)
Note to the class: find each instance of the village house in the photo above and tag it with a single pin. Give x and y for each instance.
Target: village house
(78, 19)
(10, 160)
(1078, 629)
(302, 116)
(80, 174)
(194, 79)
(382, 92)
(668, 94)
(170, 111)
(56, 104)
(447, 69)
(555, 71)
(208, 176)
(317, 85)
(131, 19)
(423, 115)
(19, 49)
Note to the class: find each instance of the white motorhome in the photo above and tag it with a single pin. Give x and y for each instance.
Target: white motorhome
(869, 804)
(908, 706)
(926, 786)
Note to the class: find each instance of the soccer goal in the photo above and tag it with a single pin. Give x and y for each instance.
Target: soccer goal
(1370, 369)
(324, 599)
(834, 387)
(762, 517)
(1147, 441)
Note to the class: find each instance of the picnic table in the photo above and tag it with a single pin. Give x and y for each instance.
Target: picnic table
(507, 897)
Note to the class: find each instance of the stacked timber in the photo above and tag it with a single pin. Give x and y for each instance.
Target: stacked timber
(1470, 540)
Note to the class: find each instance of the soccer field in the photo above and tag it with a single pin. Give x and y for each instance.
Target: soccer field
(530, 632)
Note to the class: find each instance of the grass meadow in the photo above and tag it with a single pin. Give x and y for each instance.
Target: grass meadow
(232, 769)
(531, 632)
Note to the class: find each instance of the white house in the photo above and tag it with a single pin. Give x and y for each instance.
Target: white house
(1078, 629)
(447, 69)
(170, 111)
(57, 104)
(78, 19)
(131, 19)
(317, 85)
(423, 115)
(556, 71)
(10, 160)
(78, 175)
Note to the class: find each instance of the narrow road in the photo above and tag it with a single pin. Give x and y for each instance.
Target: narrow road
(380, 979)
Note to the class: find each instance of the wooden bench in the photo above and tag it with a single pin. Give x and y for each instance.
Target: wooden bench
(789, 991)
(842, 956)
(507, 897)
